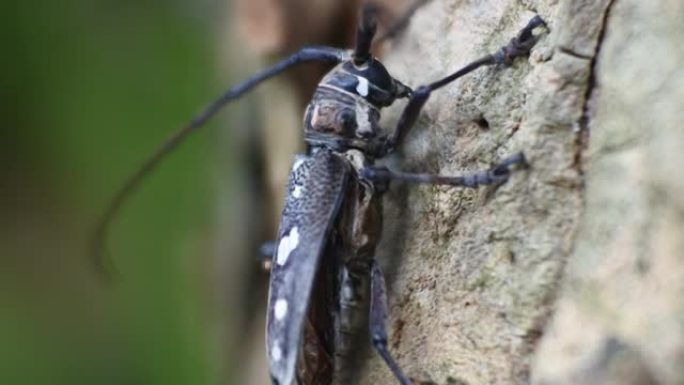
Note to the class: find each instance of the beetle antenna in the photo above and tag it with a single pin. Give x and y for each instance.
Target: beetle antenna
(100, 256)
(365, 33)
(307, 54)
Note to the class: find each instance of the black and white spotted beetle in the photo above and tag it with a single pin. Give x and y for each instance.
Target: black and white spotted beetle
(325, 285)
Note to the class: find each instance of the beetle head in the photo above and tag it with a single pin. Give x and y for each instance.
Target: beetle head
(371, 81)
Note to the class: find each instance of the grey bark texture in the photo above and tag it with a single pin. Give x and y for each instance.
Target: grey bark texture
(571, 273)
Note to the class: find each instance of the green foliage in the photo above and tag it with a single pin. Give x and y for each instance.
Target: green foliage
(89, 88)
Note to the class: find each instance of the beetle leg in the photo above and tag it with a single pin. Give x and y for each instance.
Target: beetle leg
(377, 320)
(499, 173)
(518, 46)
(265, 254)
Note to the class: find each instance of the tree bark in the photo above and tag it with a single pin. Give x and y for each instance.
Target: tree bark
(570, 272)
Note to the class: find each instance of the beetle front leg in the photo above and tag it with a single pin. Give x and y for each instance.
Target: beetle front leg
(517, 47)
(377, 323)
(497, 174)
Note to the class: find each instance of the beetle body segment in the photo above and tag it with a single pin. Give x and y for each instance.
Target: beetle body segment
(348, 99)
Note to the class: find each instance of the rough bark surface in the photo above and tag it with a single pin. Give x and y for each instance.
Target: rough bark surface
(571, 272)
(475, 273)
(620, 317)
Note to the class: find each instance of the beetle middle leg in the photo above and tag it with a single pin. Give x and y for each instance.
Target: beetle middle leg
(497, 174)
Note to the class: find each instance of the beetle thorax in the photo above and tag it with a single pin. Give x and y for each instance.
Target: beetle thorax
(339, 107)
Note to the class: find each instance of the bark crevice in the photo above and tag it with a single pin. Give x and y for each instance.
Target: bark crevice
(584, 132)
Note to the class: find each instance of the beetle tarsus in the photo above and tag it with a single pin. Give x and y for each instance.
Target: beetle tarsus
(519, 45)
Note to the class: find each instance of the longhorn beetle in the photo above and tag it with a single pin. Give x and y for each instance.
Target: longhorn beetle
(325, 283)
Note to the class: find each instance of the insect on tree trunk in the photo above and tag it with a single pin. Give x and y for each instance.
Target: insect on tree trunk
(569, 273)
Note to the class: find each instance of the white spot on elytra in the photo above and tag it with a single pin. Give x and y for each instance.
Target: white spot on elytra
(280, 309)
(276, 353)
(297, 191)
(362, 87)
(287, 244)
(297, 163)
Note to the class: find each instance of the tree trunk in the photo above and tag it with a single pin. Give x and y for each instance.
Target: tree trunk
(569, 273)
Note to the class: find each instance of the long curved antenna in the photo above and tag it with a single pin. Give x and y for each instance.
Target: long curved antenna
(101, 262)
(364, 33)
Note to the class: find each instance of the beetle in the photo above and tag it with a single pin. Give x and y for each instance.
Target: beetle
(326, 289)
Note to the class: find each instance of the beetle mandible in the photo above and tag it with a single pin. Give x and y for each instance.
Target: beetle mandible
(332, 217)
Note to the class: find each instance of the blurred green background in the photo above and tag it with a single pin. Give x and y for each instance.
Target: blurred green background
(89, 88)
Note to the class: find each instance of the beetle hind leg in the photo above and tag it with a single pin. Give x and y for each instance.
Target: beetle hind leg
(377, 323)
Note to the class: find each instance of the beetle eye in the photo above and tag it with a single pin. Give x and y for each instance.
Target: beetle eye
(347, 121)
